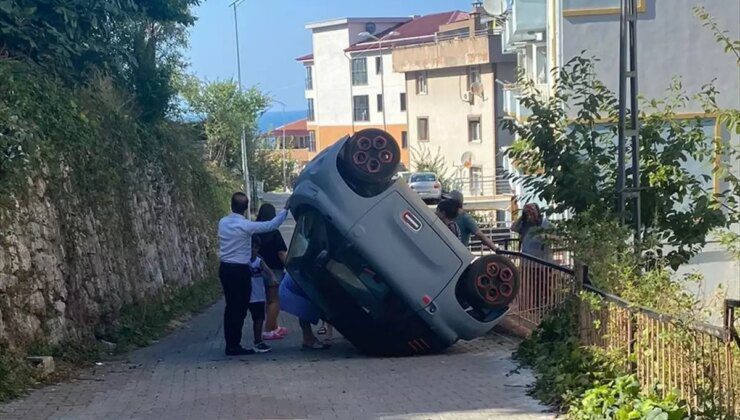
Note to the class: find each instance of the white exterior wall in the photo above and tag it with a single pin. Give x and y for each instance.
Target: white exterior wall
(448, 118)
(671, 42)
(332, 82)
(331, 75)
(395, 84)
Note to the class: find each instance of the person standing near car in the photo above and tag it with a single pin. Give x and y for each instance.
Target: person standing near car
(273, 252)
(235, 251)
(466, 224)
(531, 226)
(447, 211)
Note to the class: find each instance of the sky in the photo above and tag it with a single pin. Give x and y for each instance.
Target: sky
(272, 35)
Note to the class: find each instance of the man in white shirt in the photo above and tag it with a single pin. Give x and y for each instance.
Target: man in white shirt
(235, 245)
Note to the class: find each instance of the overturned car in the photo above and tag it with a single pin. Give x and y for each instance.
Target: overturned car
(380, 265)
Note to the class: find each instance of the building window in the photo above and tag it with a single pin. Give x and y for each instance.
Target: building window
(310, 115)
(378, 65)
(380, 103)
(422, 128)
(309, 77)
(421, 83)
(474, 130)
(473, 76)
(359, 71)
(404, 139)
(403, 102)
(361, 108)
(541, 64)
(311, 141)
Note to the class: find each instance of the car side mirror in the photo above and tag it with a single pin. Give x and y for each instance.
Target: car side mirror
(321, 259)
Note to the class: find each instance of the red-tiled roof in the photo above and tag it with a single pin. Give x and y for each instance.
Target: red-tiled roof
(294, 129)
(307, 57)
(417, 31)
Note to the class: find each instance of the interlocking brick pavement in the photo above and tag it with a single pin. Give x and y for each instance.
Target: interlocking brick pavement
(186, 376)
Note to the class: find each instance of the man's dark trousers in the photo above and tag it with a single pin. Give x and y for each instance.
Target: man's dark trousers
(236, 280)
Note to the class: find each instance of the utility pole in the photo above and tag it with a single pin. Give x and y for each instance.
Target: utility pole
(629, 125)
(245, 166)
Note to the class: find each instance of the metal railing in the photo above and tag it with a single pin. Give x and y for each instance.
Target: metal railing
(464, 34)
(485, 186)
(700, 362)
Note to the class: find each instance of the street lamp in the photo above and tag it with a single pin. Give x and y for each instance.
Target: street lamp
(245, 166)
(382, 68)
(285, 176)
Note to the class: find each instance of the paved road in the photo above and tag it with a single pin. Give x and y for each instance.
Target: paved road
(186, 376)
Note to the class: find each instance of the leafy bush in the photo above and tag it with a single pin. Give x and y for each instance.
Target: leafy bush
(587, 383)
(622, 399)
(563, 368)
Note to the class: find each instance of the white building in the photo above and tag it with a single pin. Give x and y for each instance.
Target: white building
(349, 82)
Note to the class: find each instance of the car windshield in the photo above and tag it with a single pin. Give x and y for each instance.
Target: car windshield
(423, 178)
(330, 270)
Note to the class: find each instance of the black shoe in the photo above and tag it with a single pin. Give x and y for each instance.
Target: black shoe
(261, 347)
(239, 351)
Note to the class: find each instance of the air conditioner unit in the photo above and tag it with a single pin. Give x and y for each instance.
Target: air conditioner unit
(467, 96)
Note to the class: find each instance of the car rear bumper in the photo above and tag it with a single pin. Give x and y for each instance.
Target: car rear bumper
(449, 320)
(430, 195)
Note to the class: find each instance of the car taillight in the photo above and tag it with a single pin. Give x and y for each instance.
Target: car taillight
(437, 186)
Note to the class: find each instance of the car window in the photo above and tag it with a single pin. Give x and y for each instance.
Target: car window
(423, 178)
(342, 272)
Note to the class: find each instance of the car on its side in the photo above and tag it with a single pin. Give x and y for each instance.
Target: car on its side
(427, 185)
(379, 264)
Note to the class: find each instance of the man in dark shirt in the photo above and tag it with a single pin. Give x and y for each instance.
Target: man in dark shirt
(467, 224)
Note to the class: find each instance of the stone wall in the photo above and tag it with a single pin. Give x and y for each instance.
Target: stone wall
(67, 266)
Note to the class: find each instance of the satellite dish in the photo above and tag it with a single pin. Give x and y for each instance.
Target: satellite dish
(370, 28)
(495, 7)
(467, 159)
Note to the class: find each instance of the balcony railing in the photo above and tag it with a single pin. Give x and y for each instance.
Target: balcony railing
(487, 186)
(446, 36)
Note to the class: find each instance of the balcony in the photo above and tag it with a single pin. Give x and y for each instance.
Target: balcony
(451, 49)
(527, 23)
(488, 192)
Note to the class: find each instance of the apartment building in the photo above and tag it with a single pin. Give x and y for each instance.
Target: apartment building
(349, 85)
(545, 34)
(453, 102)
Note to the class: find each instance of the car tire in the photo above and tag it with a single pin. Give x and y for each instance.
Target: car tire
(491, 282)
(371, 156)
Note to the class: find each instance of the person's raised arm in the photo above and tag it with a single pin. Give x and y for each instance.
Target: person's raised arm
(282, 248)
(264, 227)
(485, 239)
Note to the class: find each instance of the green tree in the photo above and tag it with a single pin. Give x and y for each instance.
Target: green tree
(423, 160)
(570, 161)
(266, 164)
(225, 109)
(136, 42)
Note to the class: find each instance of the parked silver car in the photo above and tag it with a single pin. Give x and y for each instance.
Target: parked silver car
(427, 185)
(378, 263)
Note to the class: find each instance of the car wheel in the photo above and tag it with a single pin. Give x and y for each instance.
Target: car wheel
(491, 282)
(371, 156)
